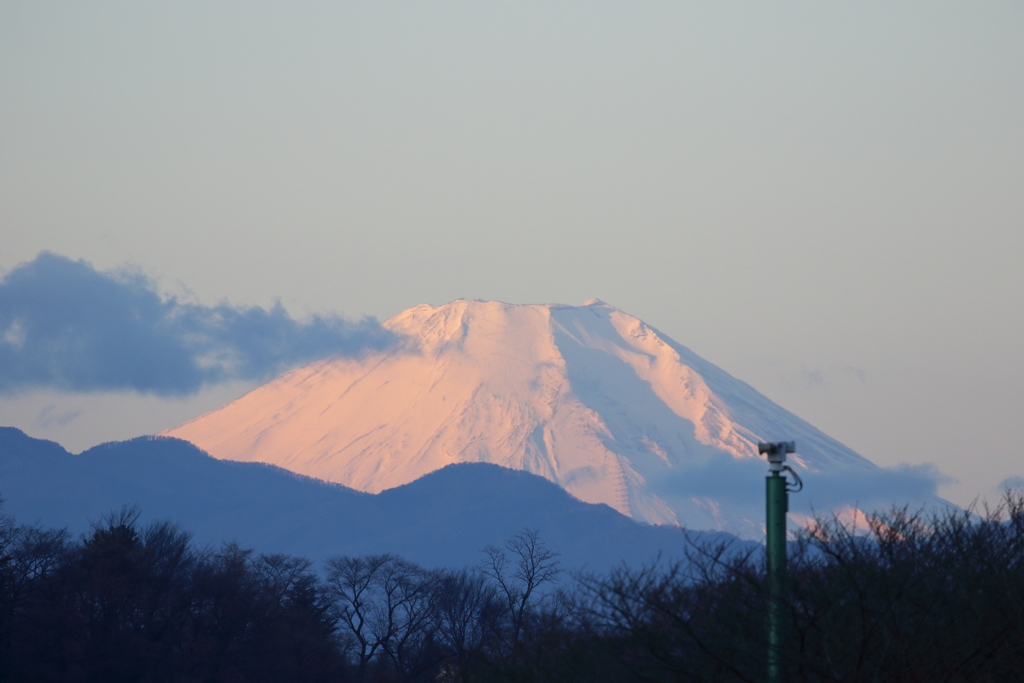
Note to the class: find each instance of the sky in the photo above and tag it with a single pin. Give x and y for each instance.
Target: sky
(823, 199)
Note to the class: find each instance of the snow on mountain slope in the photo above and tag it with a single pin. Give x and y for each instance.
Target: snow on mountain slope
(587, 396)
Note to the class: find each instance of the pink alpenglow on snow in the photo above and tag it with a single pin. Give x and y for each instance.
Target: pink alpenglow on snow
(587, 396)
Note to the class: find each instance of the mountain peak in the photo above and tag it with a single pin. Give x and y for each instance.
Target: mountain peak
(587, 396)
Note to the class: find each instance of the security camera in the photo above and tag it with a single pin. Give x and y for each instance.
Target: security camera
(776, 451)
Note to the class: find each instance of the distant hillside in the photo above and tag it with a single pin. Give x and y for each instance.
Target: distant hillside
(444, 518)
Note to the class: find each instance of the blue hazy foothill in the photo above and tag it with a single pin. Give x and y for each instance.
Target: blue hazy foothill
(442, 519)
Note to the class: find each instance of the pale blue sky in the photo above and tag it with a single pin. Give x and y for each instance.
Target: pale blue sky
(824, 199)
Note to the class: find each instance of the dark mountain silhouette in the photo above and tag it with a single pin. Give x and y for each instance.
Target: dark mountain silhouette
(444, 518)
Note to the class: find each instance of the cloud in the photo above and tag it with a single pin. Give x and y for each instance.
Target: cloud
(1011, 483)
(50, 417)
(815, 379)
(739, 482)
(873, 488)
(859, 373)
(822, 378)
(66, 326)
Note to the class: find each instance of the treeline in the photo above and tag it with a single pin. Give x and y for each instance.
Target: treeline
(901, 597)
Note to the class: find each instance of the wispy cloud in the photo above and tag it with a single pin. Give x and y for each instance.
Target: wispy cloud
(67, 326)
(50, 417)
(822, 378)
(1011, 483)
(859, 373)
(738, 481)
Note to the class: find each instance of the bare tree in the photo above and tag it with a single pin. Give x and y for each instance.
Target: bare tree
(384, 605)
(407, 614)
(468, 608)
(519, 570)
(352, 581)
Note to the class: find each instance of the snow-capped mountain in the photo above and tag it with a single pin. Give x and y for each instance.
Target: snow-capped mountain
(587, 396)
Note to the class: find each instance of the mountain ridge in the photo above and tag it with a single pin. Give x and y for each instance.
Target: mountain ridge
(589, 397)
(443, 519)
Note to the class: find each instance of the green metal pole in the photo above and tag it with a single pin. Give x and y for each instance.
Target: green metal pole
(778, 506)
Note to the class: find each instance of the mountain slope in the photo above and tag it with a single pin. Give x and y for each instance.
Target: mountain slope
(588, 397)
(443, 519)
